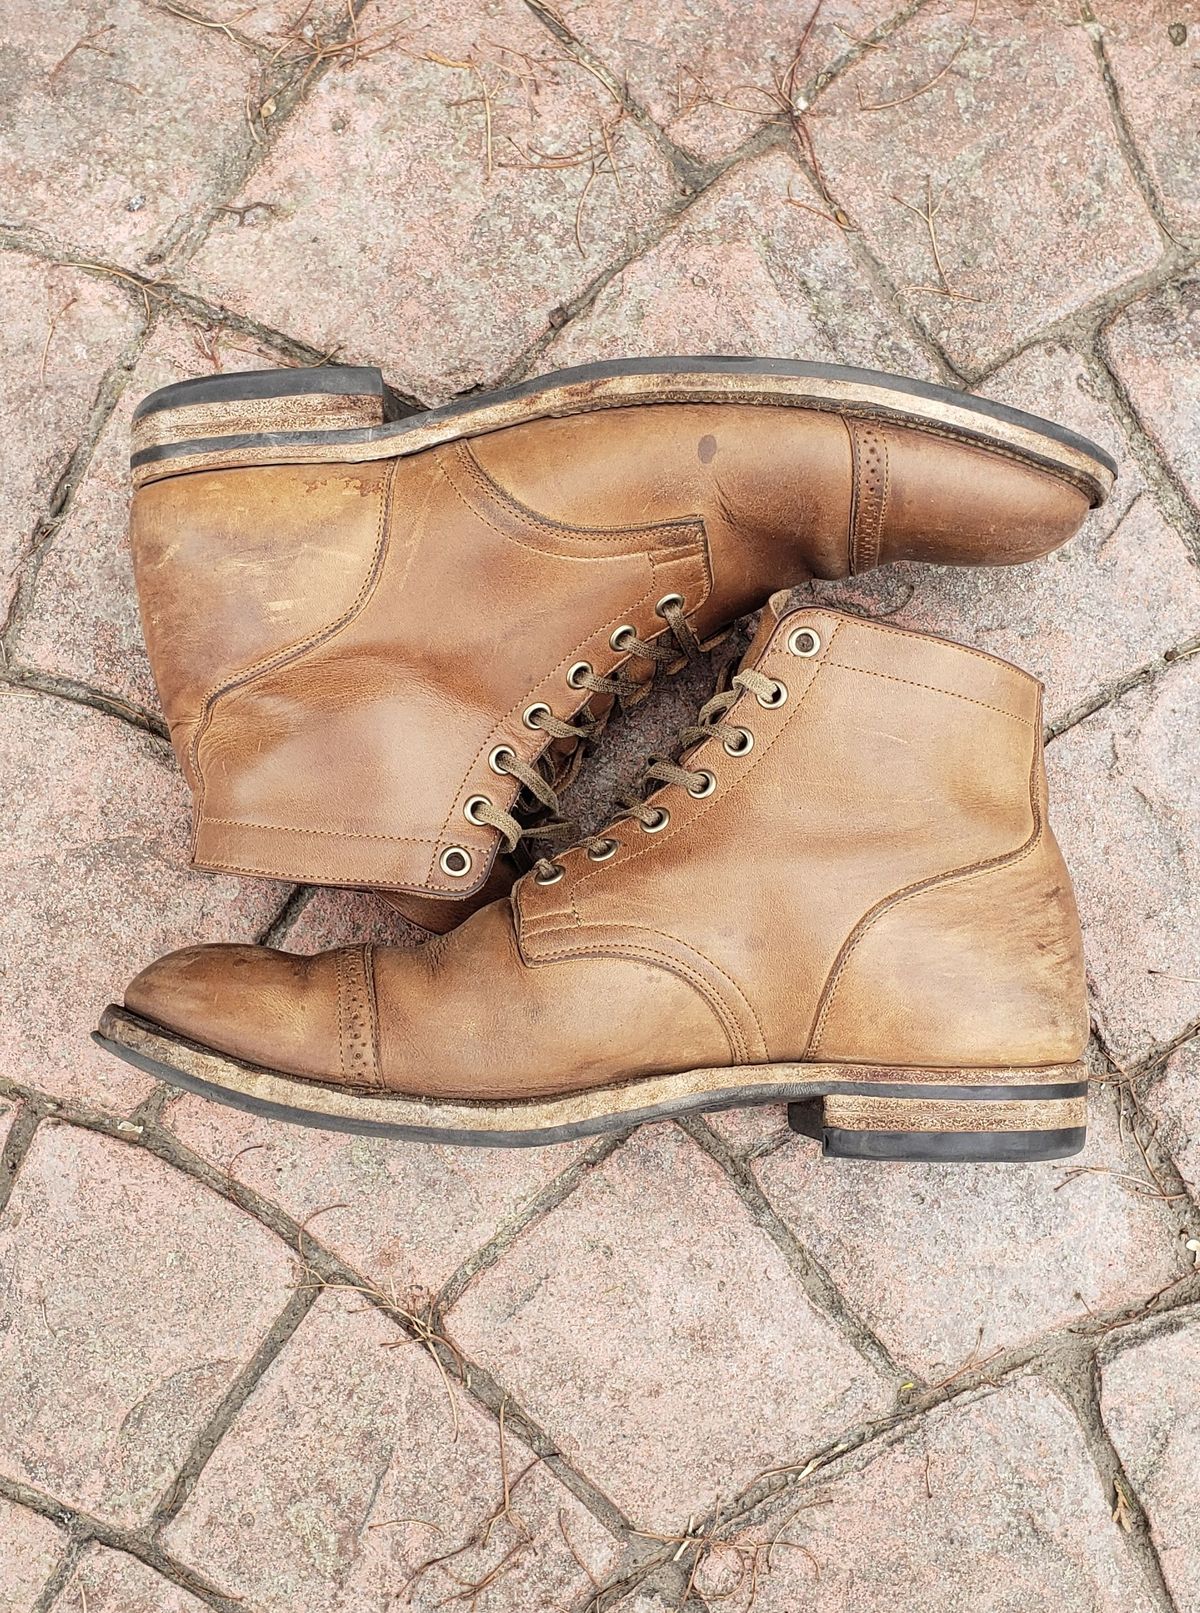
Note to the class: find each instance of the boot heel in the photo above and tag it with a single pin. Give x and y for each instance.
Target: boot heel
(994, 1123)
(215, 419)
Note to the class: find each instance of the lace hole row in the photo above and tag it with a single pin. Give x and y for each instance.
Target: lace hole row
(742, 746)
(549, 876)
(777, 697)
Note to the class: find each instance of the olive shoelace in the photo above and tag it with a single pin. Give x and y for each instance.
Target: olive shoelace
(698, 782)
(626, 692)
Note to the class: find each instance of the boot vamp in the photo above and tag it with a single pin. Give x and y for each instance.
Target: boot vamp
(468, 1017)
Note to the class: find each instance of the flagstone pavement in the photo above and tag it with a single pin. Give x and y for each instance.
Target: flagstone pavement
(255, 1369)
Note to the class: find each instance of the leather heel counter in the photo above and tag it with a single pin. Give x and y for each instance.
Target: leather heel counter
(981, 969)
(233, 566)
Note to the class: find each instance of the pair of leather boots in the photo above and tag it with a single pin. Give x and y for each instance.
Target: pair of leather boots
(384, 640)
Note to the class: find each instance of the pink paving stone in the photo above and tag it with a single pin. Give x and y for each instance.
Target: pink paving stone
(93, 886)
(120, 121)
(1154, 347)
(133, 1297)
(1126, 804)
(991, 1504)
(342, 1475)
(1155, 72)
(746, 270)
(79, 326)
(941, 1261)
(1150, 1403)
(1029, 227)
(709, 72)
(335, 918)
(1173, 1102)
(418, 258)
(661, 1338)
(82, 619)
(111, 1582)
(31, 1547)
(1123, 591)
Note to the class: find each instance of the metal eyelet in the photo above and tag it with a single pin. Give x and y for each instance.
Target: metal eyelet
(668, 599)
(551, 878)
(803, 641)
(606, 849)
(471, 807)
(498, 756)
(577, 674)
(705, 784)
(455, 861)
(538, 709)
(772, 702)
(742, 746)
(620, 636)
(661, 819)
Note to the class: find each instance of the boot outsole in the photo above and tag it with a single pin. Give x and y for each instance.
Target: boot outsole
(951, 1115)
(348, 413)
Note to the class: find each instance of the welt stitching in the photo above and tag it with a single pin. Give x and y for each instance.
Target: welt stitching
(666, 935)
(372, 1005)
(311, 641)
(341, 1023)
(670, 834)
(933, 688)
(671, 965)
(889, 903)
(852, 516)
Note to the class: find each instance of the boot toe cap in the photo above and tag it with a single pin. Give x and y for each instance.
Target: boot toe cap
(273, 1009)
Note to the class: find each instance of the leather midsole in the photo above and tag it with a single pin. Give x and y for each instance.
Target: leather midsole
(993, 1099)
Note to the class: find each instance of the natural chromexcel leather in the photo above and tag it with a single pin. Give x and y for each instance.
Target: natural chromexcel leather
(340, 649)
(874, 881)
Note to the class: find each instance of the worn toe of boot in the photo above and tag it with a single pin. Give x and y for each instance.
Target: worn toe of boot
(298, 1014)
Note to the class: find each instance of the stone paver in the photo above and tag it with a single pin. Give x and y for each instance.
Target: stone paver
(82, 619)
(64, 331)
(747, 270)
(1154, 347)
(1172, 1100)
(946, 1263)
(1028, 228)
(993, 1505)
(131, 1298)
(713, 72)
(1151, 48)
(121, 120)
(1150, 1402)
(8, 1115)
(660, 1338)
(112, 1582)
(1123, 591)
(31, 1547)
(93, 886)
(421, 259)
(1126, 808)
(353, 1402)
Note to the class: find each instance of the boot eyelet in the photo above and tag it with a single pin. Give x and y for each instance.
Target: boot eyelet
(772, 702)
(538, 709)
(499, 756)
(742, 746)
(705, 784)
(661, 819)
(668, 599)
(803, 641)
(606, 849)
(455, 861)
(471, 808)
(620, 636)
(550, 876)
(578, 673)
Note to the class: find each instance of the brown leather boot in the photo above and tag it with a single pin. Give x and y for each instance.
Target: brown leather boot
(844, 894)
(379, 637)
